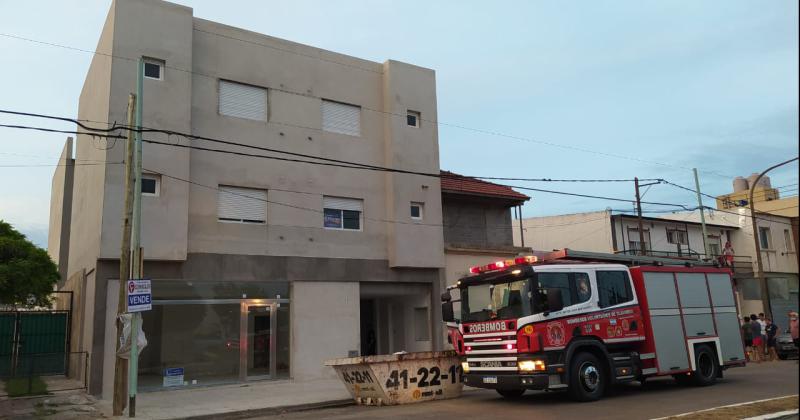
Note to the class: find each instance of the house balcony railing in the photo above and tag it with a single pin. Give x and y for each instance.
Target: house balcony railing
(689, 254)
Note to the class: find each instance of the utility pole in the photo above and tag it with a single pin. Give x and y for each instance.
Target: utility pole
(763, 285)
(702, 214)
(121, 365)
(136, 246)
(642, 247)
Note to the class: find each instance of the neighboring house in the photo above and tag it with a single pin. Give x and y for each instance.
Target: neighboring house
(260, 268)
(478, 224)
(603, 231)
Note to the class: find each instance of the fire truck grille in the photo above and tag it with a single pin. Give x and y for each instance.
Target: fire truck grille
(488, 353)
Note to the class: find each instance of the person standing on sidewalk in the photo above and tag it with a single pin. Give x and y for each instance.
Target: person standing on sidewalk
(747, 334)
(772, 332)
(763, 323)
(758, 343)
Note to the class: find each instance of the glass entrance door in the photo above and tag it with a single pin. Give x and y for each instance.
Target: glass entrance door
(258, 341)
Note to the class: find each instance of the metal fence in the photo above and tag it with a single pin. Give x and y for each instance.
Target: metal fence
(47, 372)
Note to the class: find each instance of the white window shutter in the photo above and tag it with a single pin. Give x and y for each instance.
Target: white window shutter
(242, 204)
(341, 203)
(341, 118)
(242, 101)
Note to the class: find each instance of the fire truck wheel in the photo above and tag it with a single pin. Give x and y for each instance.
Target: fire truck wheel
(587, 378)
(511, 394)
(706, 364)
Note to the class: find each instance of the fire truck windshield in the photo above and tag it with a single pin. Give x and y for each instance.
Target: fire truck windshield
(503, 300)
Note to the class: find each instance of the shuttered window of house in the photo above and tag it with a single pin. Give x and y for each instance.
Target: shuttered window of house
(341, 118)
(342, 213)
(243, 205)
(242, 101)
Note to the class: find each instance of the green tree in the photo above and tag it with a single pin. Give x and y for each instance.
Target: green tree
(27, 274)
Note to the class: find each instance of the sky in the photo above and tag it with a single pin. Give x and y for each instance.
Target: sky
(532, 89)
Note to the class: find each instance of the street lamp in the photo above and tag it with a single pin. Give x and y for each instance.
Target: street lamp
(760, 269)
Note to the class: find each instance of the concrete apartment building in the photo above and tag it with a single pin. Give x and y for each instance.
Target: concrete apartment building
(261, 269)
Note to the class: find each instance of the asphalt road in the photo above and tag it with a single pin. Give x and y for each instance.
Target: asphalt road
(659, 397)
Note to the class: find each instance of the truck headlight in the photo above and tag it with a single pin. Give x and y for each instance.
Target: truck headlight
(531, 365)
(465, 367)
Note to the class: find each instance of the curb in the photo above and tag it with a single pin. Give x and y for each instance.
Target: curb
(270, 411)
(733, 405)
(775, 416)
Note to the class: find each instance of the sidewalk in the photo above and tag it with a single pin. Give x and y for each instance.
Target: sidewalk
(238, 401)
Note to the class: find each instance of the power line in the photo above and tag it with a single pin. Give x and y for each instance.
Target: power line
(304, 94)
(60, 164)
(267, 149)
(314, 210)
(366, 167)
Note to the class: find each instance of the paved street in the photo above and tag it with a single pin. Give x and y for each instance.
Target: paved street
(658, 398)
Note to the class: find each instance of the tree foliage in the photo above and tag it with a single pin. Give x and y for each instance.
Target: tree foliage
(27, 274)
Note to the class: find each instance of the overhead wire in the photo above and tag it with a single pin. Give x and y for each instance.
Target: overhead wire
(367, 167)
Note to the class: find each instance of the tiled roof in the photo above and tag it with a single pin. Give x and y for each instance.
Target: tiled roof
(459, 184)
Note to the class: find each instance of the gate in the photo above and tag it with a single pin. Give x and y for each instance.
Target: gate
(35, 342)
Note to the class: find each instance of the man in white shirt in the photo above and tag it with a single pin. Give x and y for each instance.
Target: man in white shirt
(763, 331)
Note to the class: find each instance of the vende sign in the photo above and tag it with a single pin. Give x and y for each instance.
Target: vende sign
(140, 297)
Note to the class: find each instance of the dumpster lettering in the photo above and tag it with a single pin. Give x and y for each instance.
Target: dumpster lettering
(357, 377)
(425, 377)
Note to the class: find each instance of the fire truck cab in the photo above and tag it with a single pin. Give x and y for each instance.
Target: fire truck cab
(581, 321)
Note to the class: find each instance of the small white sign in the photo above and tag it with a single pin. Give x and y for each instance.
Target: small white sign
(140, 297)
(173, 377)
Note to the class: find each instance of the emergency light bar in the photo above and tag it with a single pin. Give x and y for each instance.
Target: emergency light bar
(499, 265)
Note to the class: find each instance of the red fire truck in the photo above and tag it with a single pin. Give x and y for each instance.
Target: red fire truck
(581, 321)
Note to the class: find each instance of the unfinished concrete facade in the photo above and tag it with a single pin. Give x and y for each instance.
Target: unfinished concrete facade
(259, 267)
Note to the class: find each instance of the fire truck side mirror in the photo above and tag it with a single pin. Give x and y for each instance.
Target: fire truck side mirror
(554, 302)
(446, 296)
(447, 312)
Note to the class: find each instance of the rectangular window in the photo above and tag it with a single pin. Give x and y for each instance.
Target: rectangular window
(153, 69)
(151, 185)
(242, 205)
(676, 236)
(787, 240)
(633, 239)
(559, 281)
(342, 213)
(341, 118)
(421, 326)
(613, 288)
(416, 211)
(413, 118)
(764, 238)
(242, 101)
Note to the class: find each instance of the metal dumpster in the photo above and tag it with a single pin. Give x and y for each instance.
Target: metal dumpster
(400, 378)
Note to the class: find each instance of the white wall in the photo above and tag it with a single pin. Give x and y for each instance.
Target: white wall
(325, 325)
(581, 231)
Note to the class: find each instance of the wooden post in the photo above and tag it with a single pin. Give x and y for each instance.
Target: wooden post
(121, 365)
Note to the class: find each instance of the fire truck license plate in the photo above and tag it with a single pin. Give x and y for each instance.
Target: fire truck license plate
(490, 379)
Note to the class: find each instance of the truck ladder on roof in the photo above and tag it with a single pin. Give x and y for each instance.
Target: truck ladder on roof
(569, 254)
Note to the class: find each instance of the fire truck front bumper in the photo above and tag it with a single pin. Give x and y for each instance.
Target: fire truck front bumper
(513, 381)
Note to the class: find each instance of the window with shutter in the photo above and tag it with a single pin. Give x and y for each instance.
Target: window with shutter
(242, 205)
(342, 213)
(341, 118)
(242, 101)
